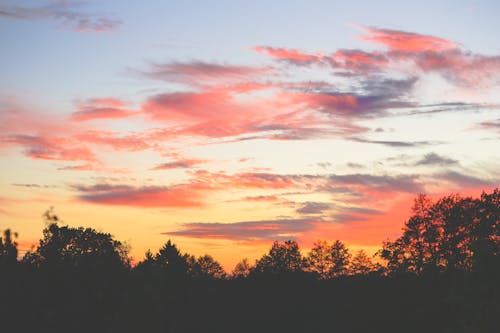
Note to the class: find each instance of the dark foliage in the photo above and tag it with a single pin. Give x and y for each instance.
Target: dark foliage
(441, 275)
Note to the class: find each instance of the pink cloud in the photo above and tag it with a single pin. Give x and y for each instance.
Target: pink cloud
(291, 55)
(101, 108)
(359, 61)
(403, 41)
(50, 148)
(129, 142)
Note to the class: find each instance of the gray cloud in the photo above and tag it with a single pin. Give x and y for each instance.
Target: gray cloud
(435, 159)
(279, 229)
(312, 207)
(464, 180)
(399, 183)
(196, 71)
(66, 12)
(346, 217)
(397, 144)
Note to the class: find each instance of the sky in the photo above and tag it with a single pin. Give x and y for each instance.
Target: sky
(226, 125)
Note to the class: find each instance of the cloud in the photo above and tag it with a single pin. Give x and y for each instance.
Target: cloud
(181, 196)
(286, 115)
(397, 144)
(355, 165)
(130, 142)
(463, 181)
(362, 210)
(179, 164)
(347, 215)
(396, 40)
(493, 124)
(32, 185)
(262, 198)
(310, 208)
(435, 159)
(199, 72)
(101, 108)
(79, 167)
(345, 218)
(437, 55)
(424, 54)
(358, 61)
(380, 183)
(65, 12)
(290, 55)
(263, 230)
(50, 148)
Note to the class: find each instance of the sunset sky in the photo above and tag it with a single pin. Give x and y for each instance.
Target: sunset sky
(225, 125)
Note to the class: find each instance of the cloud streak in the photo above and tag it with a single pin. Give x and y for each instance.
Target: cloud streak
(101, 108)
(180, 196)
(263, 230)
(66, 12)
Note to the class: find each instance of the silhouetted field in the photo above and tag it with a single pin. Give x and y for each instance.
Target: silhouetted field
(441, 275)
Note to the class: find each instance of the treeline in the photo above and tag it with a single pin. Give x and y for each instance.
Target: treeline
(442, 274)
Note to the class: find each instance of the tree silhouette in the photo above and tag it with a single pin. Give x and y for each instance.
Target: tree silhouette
(328, 261)
(485, 234)
(284, 257)
(452, 234)
(242, 269)
(206, 267)
(445, 269)
(78, 248)
(8, 248)
(361, 264)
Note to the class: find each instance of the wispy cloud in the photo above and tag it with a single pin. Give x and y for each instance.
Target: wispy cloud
(101, 108)
(464, 181)
(50, 148)
(435, 159)
(203, 73)
(492, 124)
(311, 207)
(397, 40)
(290, 55)
(178, 164)
(182, 195)
(398, 144)
(263, 230)
(68, 13)
(381, 183)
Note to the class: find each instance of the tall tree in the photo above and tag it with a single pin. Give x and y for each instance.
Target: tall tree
(207, 267)
(327, 260)
(452, 234)
(8, 248)
(242, 269)
(361, 264)
(84, 248)
(283, 257)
